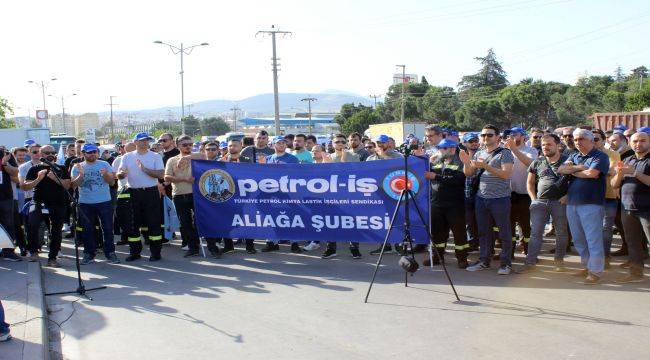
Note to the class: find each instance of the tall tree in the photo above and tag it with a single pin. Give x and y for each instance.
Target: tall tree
(5, 108)
(491, 75)
(439, 104)
(192, 125)
(214, 126)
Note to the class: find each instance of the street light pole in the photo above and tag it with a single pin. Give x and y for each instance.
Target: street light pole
(63, 110)
(309, 100)
(234, 117)
(403, 89)
(182, 50)
(43, 85)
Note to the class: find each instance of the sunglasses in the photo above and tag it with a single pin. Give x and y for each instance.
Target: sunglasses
(473, 141)
(48, 152)
(567, 136)
(339, 142)
(35, 152)
(91, 152)
(186, 144)
(487, 135)
(369, 147)
(596, 139)
(163, 140)
(211, 149)
(537, 136)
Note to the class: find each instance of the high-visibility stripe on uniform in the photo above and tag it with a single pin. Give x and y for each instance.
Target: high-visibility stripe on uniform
(124, 196)
(526, 240)
(144, 228)
(461, 247)
(442, 245)
(79, 228)
(155, 238)
(495, 228)
(134, 239)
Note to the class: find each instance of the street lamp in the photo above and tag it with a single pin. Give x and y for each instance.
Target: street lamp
(63, 108)
(43, 84)
(182, 51)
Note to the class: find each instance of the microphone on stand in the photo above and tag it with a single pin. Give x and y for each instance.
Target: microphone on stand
(46, 162)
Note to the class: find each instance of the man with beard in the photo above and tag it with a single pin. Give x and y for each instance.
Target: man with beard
(342, 155)
(260, 148)
(93, 177)
(447, 191)
(542, 174)
(8, 170)
(567, 141)
(519, 198)
(618, 142)
(299, 151)
(49, 201)
(370, 148)
(633, 177)
(310, 142)
(357, 147)
(536, 140)
(470, 141)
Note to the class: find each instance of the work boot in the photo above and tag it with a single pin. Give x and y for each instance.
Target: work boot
(132, 257)
(620, 252)
(632, 277)
(271, 247)
(462, 263)
(295, 248)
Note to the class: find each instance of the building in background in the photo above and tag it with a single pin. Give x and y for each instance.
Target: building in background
(410, 78)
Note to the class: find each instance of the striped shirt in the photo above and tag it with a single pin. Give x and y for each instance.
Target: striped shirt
(492, 186)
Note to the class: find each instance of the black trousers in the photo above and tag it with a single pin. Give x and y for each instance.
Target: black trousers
(332, 245)
(637, 225)
(124, 213)
(19, 228)
(56, 215)
(185, 210)
(448, 218)
(145, 204)
(520, 214)
(7, 220)
(470, 221)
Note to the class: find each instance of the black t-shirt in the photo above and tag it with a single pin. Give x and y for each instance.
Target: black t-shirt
(69, 162)
(6, 188)
(170, 154)
(627, 154)
(544, 176)
(635, 195)
(49, 191)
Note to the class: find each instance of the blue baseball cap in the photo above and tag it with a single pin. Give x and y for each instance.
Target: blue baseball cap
(453, 133)
(645, 129)
(29, 142)
(518, 130)
(142, 136)
(277, 139)
(620, 127)
(89, 147)
(223, 145)
(470, 136)
(446, 144)
(382, 138)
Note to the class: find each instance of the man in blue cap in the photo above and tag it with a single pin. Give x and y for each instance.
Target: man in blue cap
(645, 129)
(142, 169)
(383, 149)
(93, 177)
(447, 192)
(519, 199)
(471, 144)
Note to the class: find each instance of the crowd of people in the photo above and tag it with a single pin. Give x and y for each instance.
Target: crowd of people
(491, 189)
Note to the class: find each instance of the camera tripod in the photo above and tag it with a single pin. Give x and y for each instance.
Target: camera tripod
(407, 242)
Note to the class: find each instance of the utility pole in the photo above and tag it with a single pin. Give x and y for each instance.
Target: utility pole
(309, 100)
(112, 122)
(375, 97)
(403, 90)
(234, 117)
(640, 81)
(189, 109)
(275, 59)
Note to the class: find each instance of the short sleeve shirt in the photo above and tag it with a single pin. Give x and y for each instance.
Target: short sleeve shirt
(614, 158)
(286, 158)
(178, 188)
(545, 172)
(520, 171)
(249, 150)
(349, 157)
(93, 189)
(136, 178)
(49, 191)
(589, 191)
(121, 183)
(635, 195)
(22, 175)
(304, 157)
(6, 185)
(492, 186)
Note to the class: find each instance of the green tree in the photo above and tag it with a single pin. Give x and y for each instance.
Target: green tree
(639, 100)
(5, 108)
(214, 126)
(439, 104)
(479, 111)
(639, 72)
(360, 121)
(491, 75)
(192, 125)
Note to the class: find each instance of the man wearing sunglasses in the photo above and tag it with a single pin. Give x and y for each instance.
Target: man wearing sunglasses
(470, 141)
(493, 167)
(585, 203)
(536, 140)
(93, 177)
(49, 198)
(567, 141)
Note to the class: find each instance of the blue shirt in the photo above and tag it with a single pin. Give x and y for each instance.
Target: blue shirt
(589, 191)
(284, 159)
(93, 189)
(304, 156)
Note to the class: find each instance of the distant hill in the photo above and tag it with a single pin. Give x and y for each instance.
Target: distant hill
(258, 105)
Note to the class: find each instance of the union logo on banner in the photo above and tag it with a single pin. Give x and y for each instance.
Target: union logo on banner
(217, 185)
(393, 184)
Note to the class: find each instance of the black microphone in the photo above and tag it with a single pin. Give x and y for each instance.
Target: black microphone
(47, 162)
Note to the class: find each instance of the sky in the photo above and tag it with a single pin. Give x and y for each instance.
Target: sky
(98, 49)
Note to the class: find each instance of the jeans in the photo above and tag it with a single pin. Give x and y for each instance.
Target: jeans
(88, 214)
(470, 221)
(493, 211)
(185, 209)
(4, 327)
(56, 215)
(540, 210)
(586, 224)
(636, 225)
(7, 220)
(611, 206)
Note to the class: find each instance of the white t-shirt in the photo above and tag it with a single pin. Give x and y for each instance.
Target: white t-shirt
(136, 178)
(22, 174)
(520, 171)
(121, 183)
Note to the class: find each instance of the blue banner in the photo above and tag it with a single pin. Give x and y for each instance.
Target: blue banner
(318, 202)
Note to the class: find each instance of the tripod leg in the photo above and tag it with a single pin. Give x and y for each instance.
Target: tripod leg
(444, 267)
(383, 246)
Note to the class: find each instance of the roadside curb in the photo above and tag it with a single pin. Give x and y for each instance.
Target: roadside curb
(36, 332)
